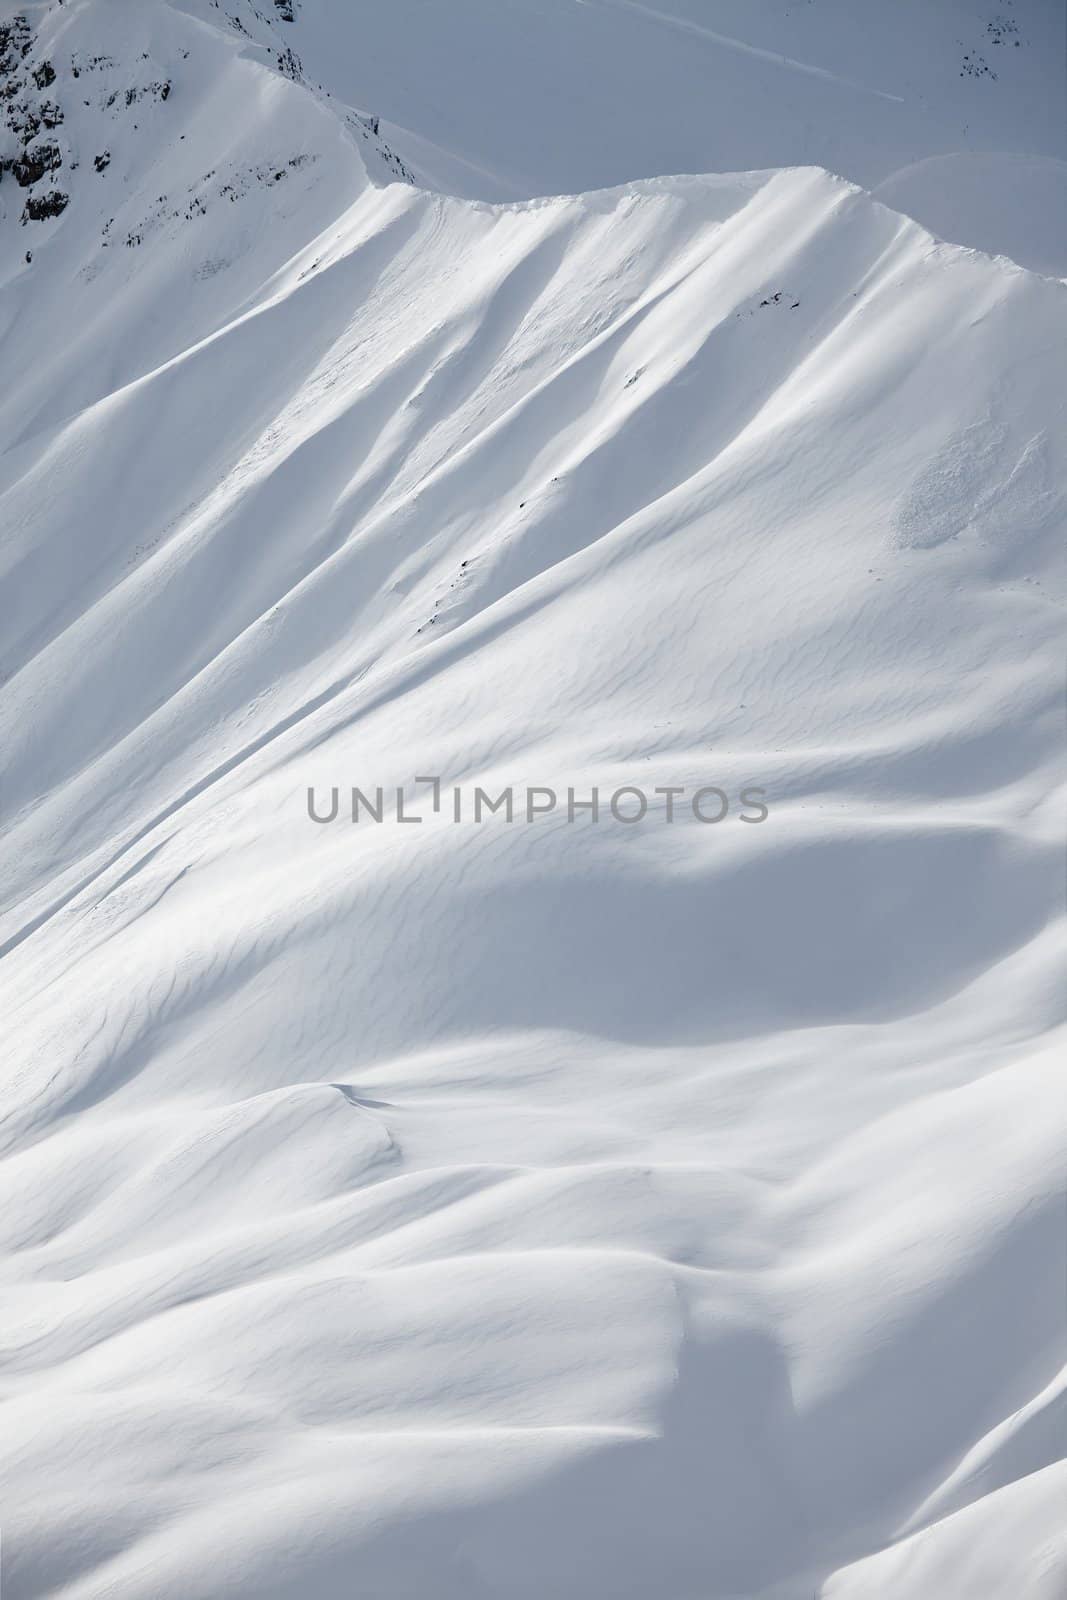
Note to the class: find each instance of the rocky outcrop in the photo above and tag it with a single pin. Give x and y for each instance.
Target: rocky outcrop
(33, 165)
(24, 116)
(39, 207)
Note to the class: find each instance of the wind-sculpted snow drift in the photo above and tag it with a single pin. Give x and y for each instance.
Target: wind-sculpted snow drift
(586, 1209)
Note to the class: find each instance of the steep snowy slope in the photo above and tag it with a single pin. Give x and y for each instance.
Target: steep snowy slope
(161, 135)
(537, 1207)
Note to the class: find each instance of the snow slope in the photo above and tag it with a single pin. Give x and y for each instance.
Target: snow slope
(589, 1209)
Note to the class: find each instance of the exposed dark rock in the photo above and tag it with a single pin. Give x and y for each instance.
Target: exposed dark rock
(24, 123)
(15, 41)
(41, 206)
(32, 165)
(160, 90)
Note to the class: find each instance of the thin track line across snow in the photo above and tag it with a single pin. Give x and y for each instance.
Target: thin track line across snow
(683, 25)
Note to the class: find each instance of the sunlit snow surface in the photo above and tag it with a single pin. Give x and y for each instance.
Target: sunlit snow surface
(604, 1211)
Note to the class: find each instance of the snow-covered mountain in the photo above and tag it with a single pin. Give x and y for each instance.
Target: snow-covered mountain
(630, 1206)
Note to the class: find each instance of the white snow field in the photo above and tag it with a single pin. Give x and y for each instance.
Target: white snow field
(501, 1210)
